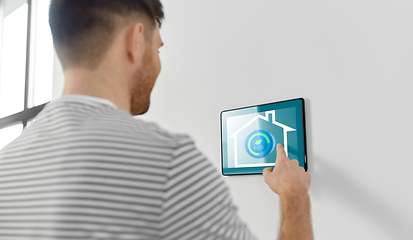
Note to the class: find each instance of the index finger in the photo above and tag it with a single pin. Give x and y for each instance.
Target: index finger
(281, 153)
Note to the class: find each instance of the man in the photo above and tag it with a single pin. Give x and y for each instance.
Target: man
(86, 169)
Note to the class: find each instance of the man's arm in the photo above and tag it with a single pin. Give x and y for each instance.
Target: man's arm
(295, 218)
(291, 183)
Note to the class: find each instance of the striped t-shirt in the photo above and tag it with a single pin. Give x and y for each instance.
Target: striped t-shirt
(86, 169)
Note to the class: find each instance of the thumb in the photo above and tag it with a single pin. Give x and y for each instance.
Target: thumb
(266, 172)
(281, 152)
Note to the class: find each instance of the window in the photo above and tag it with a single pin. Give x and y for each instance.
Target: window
(13, 61)
(8, 134)
(28, 64)
(42, 55)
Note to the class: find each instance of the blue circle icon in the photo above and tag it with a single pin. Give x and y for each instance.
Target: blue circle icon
(259, 144)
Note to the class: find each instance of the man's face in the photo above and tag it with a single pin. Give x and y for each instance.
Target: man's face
(144, 78)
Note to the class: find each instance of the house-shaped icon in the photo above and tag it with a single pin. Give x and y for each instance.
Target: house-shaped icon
(268, 118)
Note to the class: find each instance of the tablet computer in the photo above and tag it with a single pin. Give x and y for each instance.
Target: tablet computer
(249, 136)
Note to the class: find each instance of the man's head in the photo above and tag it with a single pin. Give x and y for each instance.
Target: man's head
(123, 34)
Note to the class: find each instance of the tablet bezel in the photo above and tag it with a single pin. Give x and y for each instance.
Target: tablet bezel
(258, 105)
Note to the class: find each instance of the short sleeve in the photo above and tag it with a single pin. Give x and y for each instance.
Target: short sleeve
(196, 201)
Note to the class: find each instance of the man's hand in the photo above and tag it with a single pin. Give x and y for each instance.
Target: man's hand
(292, 183)
(287, 179)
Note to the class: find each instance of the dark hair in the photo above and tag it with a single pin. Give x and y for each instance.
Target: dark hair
(83, 30)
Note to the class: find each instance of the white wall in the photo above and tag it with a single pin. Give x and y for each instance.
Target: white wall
(351, 60)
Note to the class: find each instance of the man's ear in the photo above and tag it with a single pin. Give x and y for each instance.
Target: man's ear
(135, 43)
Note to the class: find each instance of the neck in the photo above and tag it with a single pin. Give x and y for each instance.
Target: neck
(97, 83)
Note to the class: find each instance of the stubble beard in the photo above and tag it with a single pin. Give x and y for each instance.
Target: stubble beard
(144, 80)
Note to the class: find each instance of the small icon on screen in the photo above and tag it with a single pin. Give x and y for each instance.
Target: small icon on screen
(259, 143)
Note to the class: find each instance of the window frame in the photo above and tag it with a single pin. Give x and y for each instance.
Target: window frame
(28, 113)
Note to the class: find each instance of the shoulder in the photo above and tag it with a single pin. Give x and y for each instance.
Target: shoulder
(154, 131)
(137, 128)
(94, 120)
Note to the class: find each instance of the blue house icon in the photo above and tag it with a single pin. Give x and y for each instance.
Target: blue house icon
(248, 135)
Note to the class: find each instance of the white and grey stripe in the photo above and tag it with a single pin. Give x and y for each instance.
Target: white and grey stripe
(88, 170)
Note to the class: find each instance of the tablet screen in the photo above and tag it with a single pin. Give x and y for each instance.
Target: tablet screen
(249, 136)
